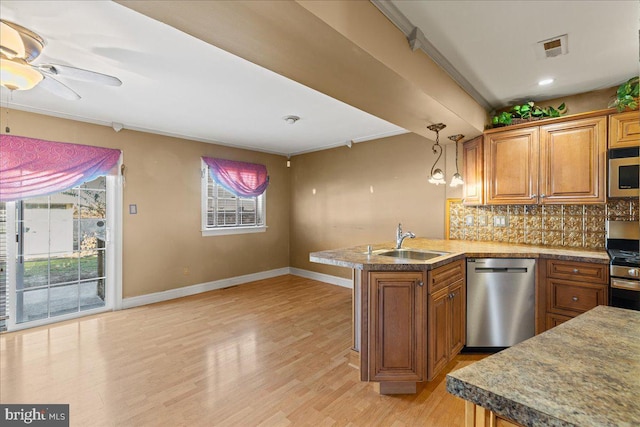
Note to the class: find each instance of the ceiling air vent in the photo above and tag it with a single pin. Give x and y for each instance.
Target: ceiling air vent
(553, 47)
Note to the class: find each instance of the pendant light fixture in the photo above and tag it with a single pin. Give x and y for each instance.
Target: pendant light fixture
(456, 180)
(437, 176)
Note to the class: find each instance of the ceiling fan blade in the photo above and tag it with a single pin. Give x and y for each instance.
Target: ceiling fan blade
(57, 88)
(80, 74)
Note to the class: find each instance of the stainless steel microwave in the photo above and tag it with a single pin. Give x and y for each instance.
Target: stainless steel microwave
(624, 172)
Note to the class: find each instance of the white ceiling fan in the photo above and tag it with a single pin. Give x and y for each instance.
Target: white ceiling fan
(19, 47)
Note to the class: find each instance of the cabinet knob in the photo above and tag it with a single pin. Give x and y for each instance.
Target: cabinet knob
(420, 283)
(533, 196)
(575, 298)
(542, 196)
(575, 270)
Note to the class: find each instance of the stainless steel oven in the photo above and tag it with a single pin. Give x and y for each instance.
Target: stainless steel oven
(623, 245)
(624, 172)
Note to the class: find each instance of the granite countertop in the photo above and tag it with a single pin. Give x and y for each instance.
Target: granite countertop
(356, 257)
(584, 372)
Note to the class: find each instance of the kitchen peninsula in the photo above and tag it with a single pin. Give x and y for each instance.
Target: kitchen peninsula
(409, 312)
(585, 372)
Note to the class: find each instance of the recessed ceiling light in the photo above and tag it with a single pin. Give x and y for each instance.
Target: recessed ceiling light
(545, 82)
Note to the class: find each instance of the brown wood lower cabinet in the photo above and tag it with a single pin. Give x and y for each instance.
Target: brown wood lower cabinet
(554, 320)
(446, 330)
(415, 323)
(477, 416)
(396, 325)
(446, 315)
(572, 288)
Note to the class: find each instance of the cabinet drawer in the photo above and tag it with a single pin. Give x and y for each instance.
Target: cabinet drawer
(554, 320)
(446, 275)
(578, 271)
(574, 298)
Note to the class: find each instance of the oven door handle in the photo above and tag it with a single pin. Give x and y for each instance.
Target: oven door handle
(632, 285)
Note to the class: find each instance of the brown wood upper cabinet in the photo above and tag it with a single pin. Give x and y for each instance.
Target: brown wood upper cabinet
(473, 172)
(558, 163)
(624, 129)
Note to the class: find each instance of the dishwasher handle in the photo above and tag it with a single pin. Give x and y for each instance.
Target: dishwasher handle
(501, 269)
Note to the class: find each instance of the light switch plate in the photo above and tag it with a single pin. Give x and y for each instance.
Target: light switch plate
(133, 209)
(500, 221)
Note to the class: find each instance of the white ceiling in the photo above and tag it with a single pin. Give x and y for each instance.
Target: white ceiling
(493, 44)
(175, 84)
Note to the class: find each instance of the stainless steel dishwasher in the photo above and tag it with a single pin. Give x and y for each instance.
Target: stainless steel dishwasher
(500, 302)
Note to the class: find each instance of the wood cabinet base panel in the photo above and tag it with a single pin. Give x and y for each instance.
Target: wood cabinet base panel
(396, 387)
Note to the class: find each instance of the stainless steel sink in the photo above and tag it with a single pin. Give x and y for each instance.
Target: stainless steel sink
(413, 254)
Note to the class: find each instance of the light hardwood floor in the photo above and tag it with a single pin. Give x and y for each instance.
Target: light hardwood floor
(271, 353)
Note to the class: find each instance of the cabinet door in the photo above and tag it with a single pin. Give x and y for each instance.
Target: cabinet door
(396, 326)
(457, 308)
(624, 130)
(572, 161)
(512, 166)
(473, 172)
(438, 332)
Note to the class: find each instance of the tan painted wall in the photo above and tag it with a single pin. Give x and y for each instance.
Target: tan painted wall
(361, 193)
(581, 102)
(163, 179)
(584, 102)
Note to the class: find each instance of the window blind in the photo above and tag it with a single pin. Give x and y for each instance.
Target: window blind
(4, 295)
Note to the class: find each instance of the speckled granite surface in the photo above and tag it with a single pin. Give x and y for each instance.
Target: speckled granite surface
(356, 257)
(584, 372)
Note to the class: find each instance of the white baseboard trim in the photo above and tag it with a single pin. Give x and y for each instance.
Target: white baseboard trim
(232, 281)
(201, 287)
(334, 280)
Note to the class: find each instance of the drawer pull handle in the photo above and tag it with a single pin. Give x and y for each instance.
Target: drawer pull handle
(575, 270)
(575, 298)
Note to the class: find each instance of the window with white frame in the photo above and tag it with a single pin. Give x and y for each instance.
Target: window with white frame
(224, 212)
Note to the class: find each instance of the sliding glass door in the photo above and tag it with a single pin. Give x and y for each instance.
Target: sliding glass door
(61, 254)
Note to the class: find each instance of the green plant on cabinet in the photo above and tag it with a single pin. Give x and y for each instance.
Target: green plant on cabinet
(627, 95)
(527, 111)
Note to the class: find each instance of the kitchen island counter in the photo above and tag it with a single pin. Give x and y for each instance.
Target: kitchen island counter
(584, 372)
(357, 258)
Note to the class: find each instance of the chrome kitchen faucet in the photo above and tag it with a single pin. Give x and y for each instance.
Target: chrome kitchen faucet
(400, 237)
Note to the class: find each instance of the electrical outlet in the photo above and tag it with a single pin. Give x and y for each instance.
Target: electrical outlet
(186, 271)
(468, 220)
(482, 220)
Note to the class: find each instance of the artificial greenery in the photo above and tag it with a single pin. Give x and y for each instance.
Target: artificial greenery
(527, 111)
(627, 95)
(502, 119)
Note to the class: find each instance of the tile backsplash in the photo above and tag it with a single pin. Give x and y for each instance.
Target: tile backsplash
(578, 226)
